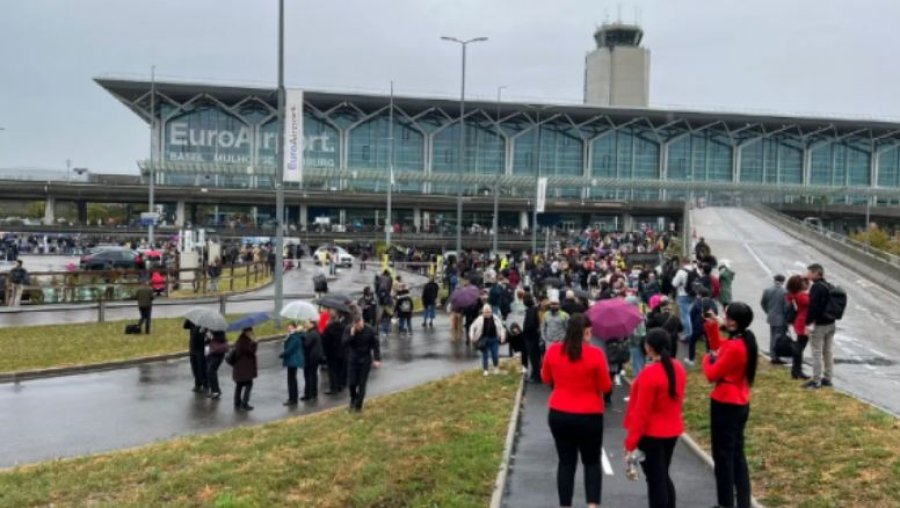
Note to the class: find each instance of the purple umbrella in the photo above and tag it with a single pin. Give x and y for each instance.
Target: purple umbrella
(613, 319)
(465, 297)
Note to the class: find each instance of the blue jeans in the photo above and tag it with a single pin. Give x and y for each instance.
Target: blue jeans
(405, 324)
(684, 310)
(492, 346)
(637, 360)
(430, 313)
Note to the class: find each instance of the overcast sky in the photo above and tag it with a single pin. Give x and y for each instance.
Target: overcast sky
(798, 56)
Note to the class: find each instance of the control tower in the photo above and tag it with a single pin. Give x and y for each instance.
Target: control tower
(617, 73)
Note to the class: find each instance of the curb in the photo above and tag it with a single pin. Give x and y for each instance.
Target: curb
(27, 375)
(500, 483)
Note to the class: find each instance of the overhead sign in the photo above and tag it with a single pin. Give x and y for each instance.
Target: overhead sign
(149, 218)
(541, 199)
(293, 136)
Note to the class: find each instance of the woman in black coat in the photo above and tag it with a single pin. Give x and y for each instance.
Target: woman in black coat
(244, 369)
(313, 352)
(531, 333)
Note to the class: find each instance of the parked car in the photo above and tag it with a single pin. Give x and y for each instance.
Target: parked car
(112, 258)
(338, 253)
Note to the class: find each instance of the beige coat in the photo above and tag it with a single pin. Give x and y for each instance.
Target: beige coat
(478, 326)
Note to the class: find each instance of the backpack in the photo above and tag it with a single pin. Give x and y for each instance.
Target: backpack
(690, 287)
(790, 312)
(617, 352)
(836, 303)
(405, 305)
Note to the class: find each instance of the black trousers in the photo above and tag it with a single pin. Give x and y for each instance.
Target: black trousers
(799, 347)
(658, 452)
(242, 393)
(576, 434)
(145, 318)
(533, 352)
(337, 373)
(311, 380)
(213, 362)
(727, 422)
(293, 392)
(358, 378)
(198, 369)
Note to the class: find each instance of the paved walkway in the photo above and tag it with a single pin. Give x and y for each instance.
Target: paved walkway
(532, 478)
(77, 415)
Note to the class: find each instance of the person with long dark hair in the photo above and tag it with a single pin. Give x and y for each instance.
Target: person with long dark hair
(531, 331)
(579, 375)
(653, 417)
(731, 365)
(798, 298)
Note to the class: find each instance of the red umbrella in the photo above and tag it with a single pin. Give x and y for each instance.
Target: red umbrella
(613, 319)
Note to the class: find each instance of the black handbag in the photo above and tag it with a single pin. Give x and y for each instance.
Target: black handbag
(231, 356)
(481, 344)
(784, 346)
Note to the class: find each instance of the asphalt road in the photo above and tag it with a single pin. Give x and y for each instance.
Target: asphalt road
(532, 479)
(296, 282)
(90, 413)
(866, 351)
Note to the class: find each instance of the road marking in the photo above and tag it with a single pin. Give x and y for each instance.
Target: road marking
(876, 352)
(607, 466)
(756, 257)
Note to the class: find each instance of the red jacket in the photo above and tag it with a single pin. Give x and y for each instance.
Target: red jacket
(729, 372)
(802, 300)
(324, 317)
(651, 410)
(578, 387)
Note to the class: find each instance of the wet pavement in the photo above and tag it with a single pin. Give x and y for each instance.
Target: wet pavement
(297, 284)
(90, 413)
(866, 352)
(532, 478)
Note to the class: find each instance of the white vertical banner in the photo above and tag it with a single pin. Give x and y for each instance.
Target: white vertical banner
(541, 199)
(293, 135)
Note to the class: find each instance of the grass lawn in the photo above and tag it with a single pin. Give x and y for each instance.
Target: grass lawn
(45, 346)
(435, 445)
(809, 449)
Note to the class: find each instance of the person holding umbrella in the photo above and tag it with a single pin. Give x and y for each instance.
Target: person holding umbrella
(244, 363)
(218, 348)
(292, 358)
(334, 352)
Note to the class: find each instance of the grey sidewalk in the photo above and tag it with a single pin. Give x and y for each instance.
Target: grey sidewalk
(532, 476)
(76, 415)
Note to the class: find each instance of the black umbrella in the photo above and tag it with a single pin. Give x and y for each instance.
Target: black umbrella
(579, 293)
(330, 302)
(555, 282)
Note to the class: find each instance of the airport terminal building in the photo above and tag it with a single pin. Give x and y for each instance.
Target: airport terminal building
(609, 149)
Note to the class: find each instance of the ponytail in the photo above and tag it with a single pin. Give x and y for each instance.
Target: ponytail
(658, 340)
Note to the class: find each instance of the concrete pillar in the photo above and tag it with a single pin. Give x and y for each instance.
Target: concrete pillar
(82, 212)
(304, 216)
(49, 211)
(523, 220)
(179, 214)
(627, 222)
(254, 211)
(426, 220)
(193, 214)
(417, 218)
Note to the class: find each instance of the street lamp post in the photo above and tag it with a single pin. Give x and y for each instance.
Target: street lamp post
(152, 189)
(388, 222)
(497, 186)
(279, 173)
(462, 134)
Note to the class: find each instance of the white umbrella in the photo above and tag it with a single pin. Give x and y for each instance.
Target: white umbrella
(300, 311)
(207, 318)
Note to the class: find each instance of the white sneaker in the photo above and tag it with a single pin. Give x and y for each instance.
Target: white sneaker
(485, 373)
(496, 371)
(689, 363)
(523, 370)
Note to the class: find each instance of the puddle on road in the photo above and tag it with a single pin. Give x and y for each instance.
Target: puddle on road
(875, 361)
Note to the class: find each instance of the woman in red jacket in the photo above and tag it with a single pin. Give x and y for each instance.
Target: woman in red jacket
(653, 417)
(732, 367)
(579, 375)
(798, 296)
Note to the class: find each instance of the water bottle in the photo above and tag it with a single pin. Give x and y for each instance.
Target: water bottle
(632, 464)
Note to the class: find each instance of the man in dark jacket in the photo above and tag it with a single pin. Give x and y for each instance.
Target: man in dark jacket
(18, 277)
(429, 302)
(334, 352)
(820, 328)
(144, 298)
(571, 305)
(364, 352)
(531, 332)
(196, 349)
(368, 306)
(773, 303)
(312, 349)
